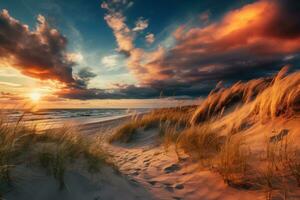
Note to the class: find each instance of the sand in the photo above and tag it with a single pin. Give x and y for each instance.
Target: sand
(108, 184)
(160, 172)
(146, 171)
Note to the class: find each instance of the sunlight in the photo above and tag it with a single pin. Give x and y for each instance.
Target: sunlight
(35, 96)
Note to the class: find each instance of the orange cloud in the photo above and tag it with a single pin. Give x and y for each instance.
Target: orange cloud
(251, 41)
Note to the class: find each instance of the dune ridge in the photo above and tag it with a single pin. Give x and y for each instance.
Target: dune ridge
(245, 138)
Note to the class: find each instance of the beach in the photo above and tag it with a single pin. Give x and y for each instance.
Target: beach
(236, 144)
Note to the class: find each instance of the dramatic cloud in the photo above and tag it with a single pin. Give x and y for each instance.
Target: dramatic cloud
(116, 21)
(249, 40)
(252, 41)
(39, 53)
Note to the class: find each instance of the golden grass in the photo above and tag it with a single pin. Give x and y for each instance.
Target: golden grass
(200, 142)
(178, 117)
(218, 102)
(281, 98)
(212, 131)
(53, 150)
(125, 133)
(268, 98)
(279, 166)
(232, 161)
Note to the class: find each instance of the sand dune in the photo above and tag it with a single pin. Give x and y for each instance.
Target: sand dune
(239, 143)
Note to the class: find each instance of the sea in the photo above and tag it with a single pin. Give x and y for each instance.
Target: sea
(54, 118)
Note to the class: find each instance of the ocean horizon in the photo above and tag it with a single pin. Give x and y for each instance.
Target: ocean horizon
(53, 118)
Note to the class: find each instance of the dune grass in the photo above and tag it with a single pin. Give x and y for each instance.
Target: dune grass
(212, 132)
(159, 118)
(54, 151)
(268, 98)
(200, 141)
(232, 160)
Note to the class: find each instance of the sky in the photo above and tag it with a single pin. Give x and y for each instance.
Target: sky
(139, 53)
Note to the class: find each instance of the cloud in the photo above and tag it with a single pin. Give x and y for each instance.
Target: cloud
(150, 38)
(110, 61)
(6, 96)
(40, 53)
(85, 75)
(116, 21)
(74, 57)
(254, 40)
(140, 24)
(242, 44)
(9, 84)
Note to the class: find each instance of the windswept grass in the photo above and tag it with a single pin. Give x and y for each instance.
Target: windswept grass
(54, 150)
(232, 161)
(212, 132)
(200, 142)
(125, 132)
(268, 98)
(281, 98)
(218, 102)
(159, 118)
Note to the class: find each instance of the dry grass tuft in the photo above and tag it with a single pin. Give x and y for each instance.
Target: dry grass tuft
(200, 142)
(218, 101)
(232, 161)
(160, 118)
(269, 98)
(53, 150)
(125, 133)
(281, 98)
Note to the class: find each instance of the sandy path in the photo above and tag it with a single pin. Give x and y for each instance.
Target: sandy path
(151, 172)
(33, 183)
(160, 172)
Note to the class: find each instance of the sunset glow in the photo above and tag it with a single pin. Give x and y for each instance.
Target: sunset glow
(35, 96)
(186, 99)
(122, 55)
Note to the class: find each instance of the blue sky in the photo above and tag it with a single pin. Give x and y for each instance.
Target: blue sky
(138, 49)
(82, 23)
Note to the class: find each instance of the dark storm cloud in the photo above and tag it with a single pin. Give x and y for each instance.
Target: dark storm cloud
(252, 41)
(40, 53)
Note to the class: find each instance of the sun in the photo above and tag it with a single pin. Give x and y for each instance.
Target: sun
(35, 96)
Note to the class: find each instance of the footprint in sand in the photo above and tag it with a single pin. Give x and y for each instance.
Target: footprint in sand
(152, 182)
(135, 173)
(179, 186)
(172, 168)
(169, 188)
